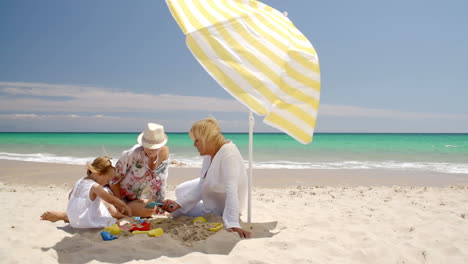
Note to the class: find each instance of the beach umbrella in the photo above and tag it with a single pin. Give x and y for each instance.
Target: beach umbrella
(257, 55)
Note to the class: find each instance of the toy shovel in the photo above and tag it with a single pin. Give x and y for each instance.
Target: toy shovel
(152, 205)
(152, 233)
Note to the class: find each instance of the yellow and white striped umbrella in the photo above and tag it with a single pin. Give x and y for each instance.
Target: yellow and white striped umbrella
(256, 54)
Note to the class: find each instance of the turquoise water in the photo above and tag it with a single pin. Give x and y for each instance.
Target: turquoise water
(431, 152)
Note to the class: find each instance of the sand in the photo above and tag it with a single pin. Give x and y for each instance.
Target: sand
(299, 216)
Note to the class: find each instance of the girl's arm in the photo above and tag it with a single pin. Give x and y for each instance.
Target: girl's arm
(103, 194)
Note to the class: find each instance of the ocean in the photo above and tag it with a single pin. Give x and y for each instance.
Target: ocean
(446, 153)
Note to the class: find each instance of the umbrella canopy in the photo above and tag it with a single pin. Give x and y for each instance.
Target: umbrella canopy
(256, 54)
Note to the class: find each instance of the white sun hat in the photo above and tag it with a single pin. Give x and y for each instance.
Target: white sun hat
(153, 137)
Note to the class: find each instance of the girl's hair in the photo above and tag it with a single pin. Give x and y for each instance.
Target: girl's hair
(101, 165)
(207, 130)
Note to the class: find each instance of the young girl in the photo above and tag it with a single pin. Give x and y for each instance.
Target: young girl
(89, 205)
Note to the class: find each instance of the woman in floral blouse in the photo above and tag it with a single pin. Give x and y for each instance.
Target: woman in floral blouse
(141, 172)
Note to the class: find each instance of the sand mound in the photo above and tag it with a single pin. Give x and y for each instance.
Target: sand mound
(182, 228)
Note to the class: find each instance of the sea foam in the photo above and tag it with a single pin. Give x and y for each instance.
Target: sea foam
(196, 162)
(45, 157)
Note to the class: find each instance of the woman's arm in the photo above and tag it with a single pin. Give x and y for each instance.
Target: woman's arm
(121, 171)
(116, 190)
(230, 173)
(162, 170)
(229, 178)
(162, 156)
(103, 194)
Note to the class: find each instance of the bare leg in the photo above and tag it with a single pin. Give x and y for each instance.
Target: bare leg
(138, 208)
(54, 216)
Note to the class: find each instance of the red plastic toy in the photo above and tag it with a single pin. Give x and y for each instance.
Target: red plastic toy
(145, 226)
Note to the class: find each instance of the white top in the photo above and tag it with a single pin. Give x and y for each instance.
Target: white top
(224, 188)
(84, 213)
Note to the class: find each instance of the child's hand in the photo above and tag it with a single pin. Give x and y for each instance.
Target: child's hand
(126, 210)
(129, 210)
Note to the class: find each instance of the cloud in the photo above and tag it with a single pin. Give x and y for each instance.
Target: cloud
(35, 98)
(56, 107)
(42, 117)
(41, 97)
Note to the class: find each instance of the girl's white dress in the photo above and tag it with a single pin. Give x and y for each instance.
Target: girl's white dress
(84, 213)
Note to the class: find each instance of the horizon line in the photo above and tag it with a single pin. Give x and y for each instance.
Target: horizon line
(100, 132)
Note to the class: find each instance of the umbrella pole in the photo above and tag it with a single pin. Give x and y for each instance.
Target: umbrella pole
(249, 182)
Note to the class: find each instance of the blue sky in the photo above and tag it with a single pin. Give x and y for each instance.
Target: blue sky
(387, 66)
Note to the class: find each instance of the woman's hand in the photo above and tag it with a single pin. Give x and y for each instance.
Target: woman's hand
(170, 206)
(242, 233)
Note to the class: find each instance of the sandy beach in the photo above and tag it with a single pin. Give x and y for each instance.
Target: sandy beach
(299, 216)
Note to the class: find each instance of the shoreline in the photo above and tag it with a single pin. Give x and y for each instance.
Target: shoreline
(44, 174)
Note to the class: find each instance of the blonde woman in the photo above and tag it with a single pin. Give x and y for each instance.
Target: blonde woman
(222, 186)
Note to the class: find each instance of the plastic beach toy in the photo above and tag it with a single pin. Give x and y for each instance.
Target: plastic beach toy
(113, 229)
(152, 233)
(215, 227)
(199, 219)
(123, 222)
(152, 205)
(145, 226)
(106, 236)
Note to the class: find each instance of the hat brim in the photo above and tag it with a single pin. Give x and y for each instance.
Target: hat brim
(151, 146)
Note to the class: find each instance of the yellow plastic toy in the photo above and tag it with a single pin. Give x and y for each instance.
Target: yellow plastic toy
(215, 227)
(113, 229)
(152, 233)
(199, 219)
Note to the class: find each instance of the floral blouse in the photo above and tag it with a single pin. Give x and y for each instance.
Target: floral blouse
(137, 180)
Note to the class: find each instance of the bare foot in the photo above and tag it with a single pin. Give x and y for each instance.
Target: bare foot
(54, 216)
